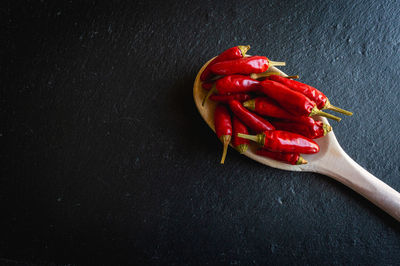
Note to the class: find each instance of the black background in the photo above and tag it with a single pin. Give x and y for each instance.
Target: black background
(106, 159)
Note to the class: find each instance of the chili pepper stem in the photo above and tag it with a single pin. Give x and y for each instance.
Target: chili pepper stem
(225, 140)
(242, 148)
(327, 128)
(250, 137)
(329, 106)
(263, 74)
(301, 160)
(210, 92)
(267, 74)
(276, 63)
(316, 111)
(244, 49)
(259, 138)
(250, 104)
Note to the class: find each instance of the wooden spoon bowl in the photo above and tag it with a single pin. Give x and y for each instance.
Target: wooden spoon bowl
(331, 160)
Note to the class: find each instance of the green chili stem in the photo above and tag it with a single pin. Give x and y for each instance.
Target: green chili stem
(250, 137)
(276, 63)
(225, 140)
(250, 104)
(301, 160)
(242, 148)
(337, 109)
(327, 128)
(244, 49)
(316, 111)
(267, 74)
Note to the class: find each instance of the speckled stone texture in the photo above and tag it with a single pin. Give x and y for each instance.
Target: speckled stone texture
(109, 162)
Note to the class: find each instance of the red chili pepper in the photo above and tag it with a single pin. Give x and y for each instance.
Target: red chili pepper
(283, 141)
(241, 97)
(313, 129)
(253, 121)
(291, 158)
(230, 54)
(233, 84)
(294, 102)
(245, 65)
(267, 107)
(240, 144)
(236, 84)
(223, 127)
(207, 85)
(315, 95)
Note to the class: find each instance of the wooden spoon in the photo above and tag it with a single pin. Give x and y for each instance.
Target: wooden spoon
(331, 161)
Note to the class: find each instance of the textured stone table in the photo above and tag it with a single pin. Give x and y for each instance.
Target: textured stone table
(108, 160)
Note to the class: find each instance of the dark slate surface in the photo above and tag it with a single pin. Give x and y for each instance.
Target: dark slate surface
(108, 160)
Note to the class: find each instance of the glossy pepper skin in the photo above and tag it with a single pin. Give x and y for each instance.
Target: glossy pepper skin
(294, 102)
(312, 129)
(230, 54)
(233, 84)
(283, 141)
(253, 121)
(312, 93)
(245, 65)
(207, 85)
(236, 84)
(240, 144)
(241, 97)
(223, 127)
(267, 107)
(290, 158)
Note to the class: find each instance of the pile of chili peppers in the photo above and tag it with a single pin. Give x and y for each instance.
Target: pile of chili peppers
(278, 111)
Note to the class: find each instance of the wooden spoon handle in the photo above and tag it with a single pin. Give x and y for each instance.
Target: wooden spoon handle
(347, 171)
